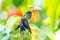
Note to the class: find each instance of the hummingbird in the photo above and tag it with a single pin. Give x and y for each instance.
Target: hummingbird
(24, 24)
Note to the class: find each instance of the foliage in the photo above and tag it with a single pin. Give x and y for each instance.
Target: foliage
(47, 28)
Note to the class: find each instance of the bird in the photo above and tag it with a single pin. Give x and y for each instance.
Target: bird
(24, 24)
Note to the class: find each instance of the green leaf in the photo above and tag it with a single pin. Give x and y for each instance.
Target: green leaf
(52, 12)
(47, 38)
(3, 16)
(17, 3)
(6, 5)
(25, 5)
(12, 23)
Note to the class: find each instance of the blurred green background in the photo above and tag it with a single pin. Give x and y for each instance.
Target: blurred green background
(47, 28)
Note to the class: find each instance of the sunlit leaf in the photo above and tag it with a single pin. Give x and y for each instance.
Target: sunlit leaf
(52, 12)
(14, 20)
(3, 16)
(6, 5)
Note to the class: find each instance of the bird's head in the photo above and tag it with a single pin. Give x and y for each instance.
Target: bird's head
(28, 14)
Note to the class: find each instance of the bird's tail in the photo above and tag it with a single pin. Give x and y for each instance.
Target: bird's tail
(29, 30)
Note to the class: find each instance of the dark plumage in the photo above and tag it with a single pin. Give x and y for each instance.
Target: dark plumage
(24, 25)
(24, 22)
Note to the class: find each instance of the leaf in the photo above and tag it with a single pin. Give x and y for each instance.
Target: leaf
(12, 21)
(35, 32)
(47, 38)
(57, 35)
(3, 16)
(2, 31)
(6, 5)
(17, 3)
(25, 5)
(52, 12)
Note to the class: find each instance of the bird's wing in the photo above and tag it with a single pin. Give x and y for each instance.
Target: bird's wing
(26, 24)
